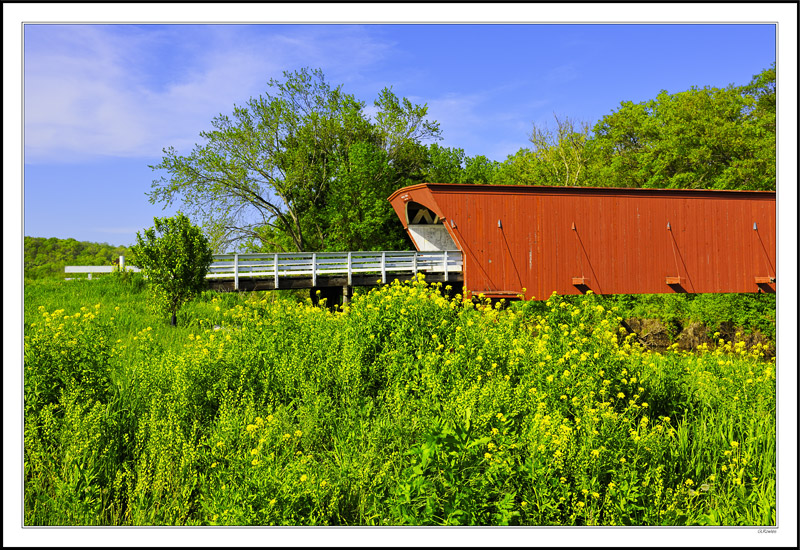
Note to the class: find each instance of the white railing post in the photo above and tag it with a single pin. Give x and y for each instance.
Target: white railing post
(349, 269)
(122, 264)
(414, 263)
(445, 266)
(235, 271)
(314, 269)
(276, 270)
(383, 267)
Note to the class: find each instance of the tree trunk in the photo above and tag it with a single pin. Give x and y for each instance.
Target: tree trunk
(174, 319)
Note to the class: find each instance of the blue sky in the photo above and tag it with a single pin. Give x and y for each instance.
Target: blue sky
(101, 101)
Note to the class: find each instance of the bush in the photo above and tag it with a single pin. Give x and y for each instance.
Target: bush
(174, 257)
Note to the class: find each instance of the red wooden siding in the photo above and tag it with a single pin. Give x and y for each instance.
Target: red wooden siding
(609, 240)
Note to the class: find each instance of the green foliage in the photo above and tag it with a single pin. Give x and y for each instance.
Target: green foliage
(173, 256)
(75, 362)
(706, 138)
(356, 214)
(278, 172)
(717, 312)
(557, 157)
(701, 138)
(404, 408)
(46, 258)
(451, 165)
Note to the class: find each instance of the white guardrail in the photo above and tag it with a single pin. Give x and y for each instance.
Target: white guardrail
(226, 266)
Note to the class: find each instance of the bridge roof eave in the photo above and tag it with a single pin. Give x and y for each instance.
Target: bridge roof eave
(420, 194)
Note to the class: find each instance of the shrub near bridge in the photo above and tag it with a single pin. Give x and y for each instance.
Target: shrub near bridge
(404, 408)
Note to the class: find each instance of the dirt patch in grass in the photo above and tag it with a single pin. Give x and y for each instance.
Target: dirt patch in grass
(657, 335)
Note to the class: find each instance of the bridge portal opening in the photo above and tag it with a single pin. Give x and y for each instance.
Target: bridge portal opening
(427, 229)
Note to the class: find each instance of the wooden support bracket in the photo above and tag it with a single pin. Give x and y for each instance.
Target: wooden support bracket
(765, 280)
(675, 280)
(580, 281)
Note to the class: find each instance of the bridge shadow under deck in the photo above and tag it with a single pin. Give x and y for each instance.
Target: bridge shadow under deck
(326, 281)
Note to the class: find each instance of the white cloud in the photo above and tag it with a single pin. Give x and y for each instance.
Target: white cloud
(128, 91)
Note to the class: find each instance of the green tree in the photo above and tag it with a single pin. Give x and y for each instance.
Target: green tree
(557, 157)
(757, 169)
(174, 256)
(444, 165)
(451, 165)
(480, 170)
(560, 154)
(701, 138)
(357, 215)
(521, 168)
(273, 174)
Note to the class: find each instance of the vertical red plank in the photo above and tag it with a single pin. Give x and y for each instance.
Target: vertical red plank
(706, 271)
(657, 255)
(719, 262)
(620, 238)
(548, 242)
(734, 247)
(538, 267)
(739, 235)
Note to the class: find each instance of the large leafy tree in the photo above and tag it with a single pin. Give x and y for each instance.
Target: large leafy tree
(557, 156)
(357, 214)
(285, 170)
(700, 138)
(174, 256)
(711, 138)
(452, 165)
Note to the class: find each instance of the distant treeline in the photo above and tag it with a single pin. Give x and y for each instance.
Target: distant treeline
(46, 258)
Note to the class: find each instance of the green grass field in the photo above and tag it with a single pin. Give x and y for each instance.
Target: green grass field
(405, 408)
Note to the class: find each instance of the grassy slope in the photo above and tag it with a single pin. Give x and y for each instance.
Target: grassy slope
(407, 409)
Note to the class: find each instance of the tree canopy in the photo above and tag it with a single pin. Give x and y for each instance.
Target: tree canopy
(708, 138)
(302, 167)
(451, 165)
(714, 138)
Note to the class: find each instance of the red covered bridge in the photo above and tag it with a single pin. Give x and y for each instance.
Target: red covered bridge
(535, 240)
